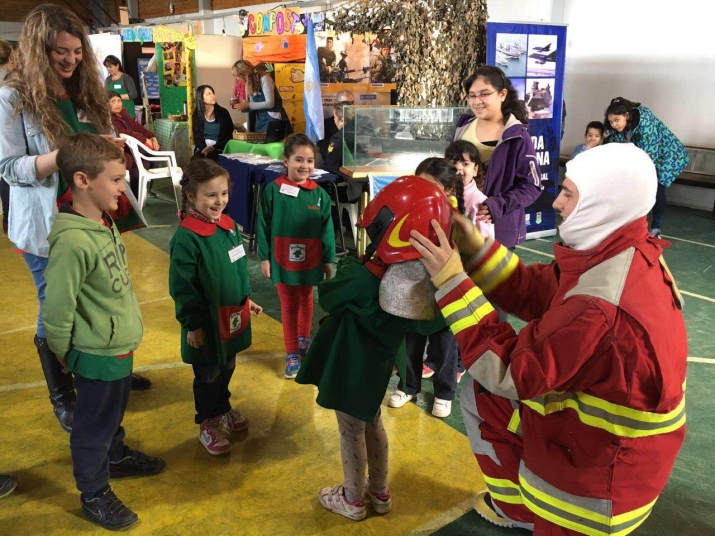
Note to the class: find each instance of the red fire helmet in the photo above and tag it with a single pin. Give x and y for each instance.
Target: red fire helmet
(405, 204)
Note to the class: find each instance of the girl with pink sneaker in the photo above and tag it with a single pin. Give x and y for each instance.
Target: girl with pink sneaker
(208, 279)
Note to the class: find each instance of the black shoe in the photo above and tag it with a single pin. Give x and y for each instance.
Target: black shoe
(107, 510)
(140, 383)
(135, 463)
(7, 485)
(60, 385)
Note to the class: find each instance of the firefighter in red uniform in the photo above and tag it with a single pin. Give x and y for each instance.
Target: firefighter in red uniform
(575, 421)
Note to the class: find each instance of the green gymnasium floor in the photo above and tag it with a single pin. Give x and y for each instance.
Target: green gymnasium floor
(269, 482)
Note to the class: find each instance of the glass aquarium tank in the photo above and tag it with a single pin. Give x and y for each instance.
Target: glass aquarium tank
(395, 138)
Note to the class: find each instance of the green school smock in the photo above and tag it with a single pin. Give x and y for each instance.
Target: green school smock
(296, 232)
(352, 356)
(210, 288)
(119, 87)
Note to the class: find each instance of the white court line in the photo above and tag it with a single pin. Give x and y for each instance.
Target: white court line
(244, 358)
(241, 358)
(692, 294)
(689, 241)
(34, 326)
(701, 360)
(697, 296)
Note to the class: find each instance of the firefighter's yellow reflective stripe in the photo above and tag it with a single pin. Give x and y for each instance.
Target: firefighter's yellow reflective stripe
(514, 422)
(466, 311)
(618, 420)
(495, 270)
(473, 294)
(583, 514)
(503, 490)
(628, 522)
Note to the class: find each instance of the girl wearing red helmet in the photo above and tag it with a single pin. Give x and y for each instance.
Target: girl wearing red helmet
(358, 344)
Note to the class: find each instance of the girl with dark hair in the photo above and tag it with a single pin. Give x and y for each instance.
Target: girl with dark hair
(212, 125)
(499, 131)
(630, 122)
(442, 351)
(121, 83)
(213, 299)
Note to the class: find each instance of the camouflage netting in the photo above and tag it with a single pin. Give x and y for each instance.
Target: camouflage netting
(438, 43)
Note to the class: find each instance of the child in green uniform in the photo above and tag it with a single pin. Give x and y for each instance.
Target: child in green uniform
(208, 279)
(296, 244)
(93, 324)
(358, 343)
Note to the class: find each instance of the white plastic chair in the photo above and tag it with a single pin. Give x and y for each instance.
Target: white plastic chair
(170, 170)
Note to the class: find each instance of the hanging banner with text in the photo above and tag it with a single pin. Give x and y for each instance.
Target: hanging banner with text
(533, 56)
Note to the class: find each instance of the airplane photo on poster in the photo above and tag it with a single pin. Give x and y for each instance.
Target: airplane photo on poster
(541, 59)
(541, 55)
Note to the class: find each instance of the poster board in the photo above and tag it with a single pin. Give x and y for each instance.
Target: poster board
(533, 56)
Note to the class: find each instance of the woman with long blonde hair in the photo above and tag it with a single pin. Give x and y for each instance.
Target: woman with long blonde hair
(264, 102)
(54, 91)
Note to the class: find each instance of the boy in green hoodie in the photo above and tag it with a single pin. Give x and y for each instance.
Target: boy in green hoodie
(93, 324)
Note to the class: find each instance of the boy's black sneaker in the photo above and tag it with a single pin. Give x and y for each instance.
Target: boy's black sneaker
(7, 485)
(135, 463)
(107, 510)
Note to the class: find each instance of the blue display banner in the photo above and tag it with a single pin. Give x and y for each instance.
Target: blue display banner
(533, 56)
(152, 79)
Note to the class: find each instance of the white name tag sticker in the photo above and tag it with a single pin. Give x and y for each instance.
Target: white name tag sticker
(288, 189)
(117, 86)
(236, 253)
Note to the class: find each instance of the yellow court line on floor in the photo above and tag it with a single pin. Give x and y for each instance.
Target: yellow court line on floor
(692, 294)
(689, 241)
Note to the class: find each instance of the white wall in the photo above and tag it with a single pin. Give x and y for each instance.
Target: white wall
(653, 51)
(215, 55)
(657, 52)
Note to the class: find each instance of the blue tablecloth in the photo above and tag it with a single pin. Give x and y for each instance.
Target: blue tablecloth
(247, 183)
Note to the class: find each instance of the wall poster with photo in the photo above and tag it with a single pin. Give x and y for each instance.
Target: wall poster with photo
(174, 58)
(533, 57)
(343, 59)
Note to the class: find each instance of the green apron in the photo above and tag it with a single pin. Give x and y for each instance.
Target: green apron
(118, 86)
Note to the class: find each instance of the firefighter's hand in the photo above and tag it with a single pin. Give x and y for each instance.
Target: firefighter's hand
(467, 237)
(328, 270)
(433, 257)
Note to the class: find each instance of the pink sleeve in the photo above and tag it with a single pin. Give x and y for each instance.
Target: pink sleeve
(239, 90)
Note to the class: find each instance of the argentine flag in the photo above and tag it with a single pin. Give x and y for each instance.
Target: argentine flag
(312, 100)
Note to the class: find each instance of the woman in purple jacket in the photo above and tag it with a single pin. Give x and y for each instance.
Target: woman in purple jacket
(498, 129)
